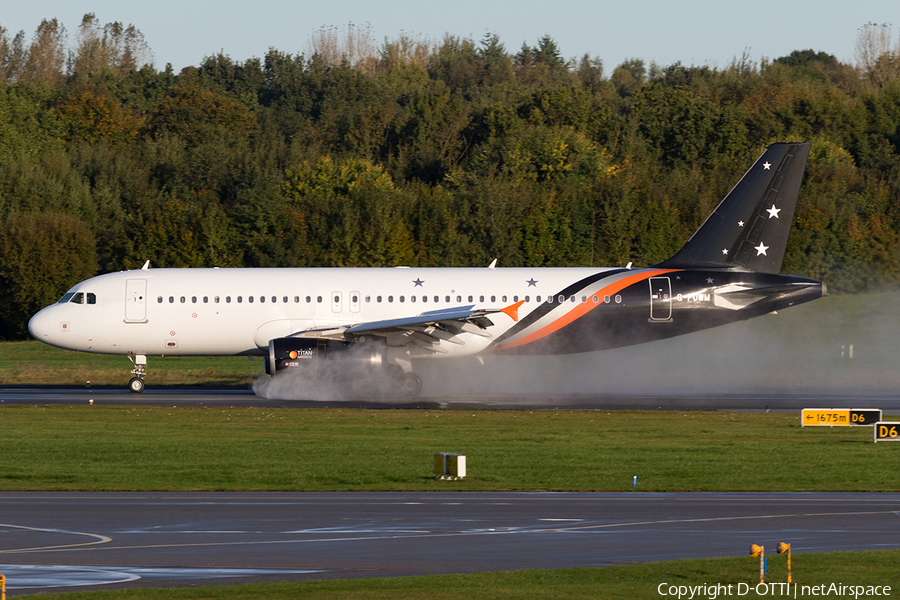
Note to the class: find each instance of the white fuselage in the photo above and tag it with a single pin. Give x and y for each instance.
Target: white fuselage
(221, 312)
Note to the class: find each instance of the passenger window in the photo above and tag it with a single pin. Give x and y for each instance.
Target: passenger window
(459, 299)
(368, 299)
(183, 299)
(171, 299)
(275, 299)
(160, 299)
(537, 299)
(528, 299)
(503, 299)
(390, 298)
(285, 299)
(194, 300)
(378, 299)
(319, 299)
(447, 299)
(481, 298)
(216, 299)
(438, 299)
(308, 299)
(618, 299)
(515, 298)
(411, 298)
(470, 299)
(606, 299)
(402, 298)
(595, 299)
(205, 299)
(296, 300)
(240, 299)
(249, 299)
(227, 299)
(493, 298)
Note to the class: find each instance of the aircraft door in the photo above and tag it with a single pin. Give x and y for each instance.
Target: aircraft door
(337, 302)
(660, 299)
(135, 300)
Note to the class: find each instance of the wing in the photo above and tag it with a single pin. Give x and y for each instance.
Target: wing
(425, 330)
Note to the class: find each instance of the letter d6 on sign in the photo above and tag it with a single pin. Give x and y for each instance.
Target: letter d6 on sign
(887, 431)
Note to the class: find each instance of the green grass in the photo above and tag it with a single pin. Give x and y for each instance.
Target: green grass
(611, 583)
(36, 363)
(64, 447)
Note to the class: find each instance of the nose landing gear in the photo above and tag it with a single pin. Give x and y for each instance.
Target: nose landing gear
(136, 384)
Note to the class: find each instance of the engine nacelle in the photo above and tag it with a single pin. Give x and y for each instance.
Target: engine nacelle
(353, 358)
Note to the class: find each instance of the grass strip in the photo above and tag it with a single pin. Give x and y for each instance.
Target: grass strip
(876, 568)
(34, 363)
(66, 447)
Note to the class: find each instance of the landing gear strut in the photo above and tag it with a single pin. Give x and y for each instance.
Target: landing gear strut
(136, 384)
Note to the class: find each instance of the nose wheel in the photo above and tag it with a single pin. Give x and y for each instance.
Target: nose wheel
(136, 384)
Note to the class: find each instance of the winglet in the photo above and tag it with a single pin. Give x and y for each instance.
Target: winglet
(513, 310)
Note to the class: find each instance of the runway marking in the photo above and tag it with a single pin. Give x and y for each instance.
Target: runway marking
(711, 519)
(100, 539)
(499, 531)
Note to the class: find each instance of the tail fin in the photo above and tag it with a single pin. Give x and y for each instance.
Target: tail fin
(749, 229)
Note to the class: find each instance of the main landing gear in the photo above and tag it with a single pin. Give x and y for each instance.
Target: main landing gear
(410, 384)
(136, 384)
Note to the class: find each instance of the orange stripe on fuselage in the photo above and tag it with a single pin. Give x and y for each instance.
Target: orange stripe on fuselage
(584, 307)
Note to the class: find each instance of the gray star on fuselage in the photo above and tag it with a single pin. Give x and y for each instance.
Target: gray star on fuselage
(418, 282)
(531, 282)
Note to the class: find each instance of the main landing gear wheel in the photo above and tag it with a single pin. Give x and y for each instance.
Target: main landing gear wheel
(410, 384)
(136, 385)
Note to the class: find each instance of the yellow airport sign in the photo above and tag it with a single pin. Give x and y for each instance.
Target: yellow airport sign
(887, 431)
(839, 417)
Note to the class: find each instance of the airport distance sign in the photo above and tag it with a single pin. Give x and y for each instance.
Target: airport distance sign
(887, 431)
(839, 417)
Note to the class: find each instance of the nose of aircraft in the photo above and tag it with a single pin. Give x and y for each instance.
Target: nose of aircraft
(39, 326)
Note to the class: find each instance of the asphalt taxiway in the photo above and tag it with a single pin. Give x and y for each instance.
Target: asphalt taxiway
(74, 540)
(245, 397)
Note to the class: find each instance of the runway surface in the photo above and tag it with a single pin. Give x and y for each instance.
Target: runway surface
(236, 396)
(74, 540)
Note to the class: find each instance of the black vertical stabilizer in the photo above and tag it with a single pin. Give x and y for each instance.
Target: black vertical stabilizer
(749, 229)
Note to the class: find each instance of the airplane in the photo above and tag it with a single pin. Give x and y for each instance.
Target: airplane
(379, 321)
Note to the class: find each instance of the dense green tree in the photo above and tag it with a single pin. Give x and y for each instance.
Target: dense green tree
(42, 254)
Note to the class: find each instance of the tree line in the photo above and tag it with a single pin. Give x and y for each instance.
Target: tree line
(422, 153)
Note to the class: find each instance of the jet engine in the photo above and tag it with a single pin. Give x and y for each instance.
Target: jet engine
(341, 359)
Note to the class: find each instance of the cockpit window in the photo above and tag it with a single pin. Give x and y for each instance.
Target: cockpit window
(79, 298)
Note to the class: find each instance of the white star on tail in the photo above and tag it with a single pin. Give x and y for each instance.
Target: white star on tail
(761, 250)
(773, 212)
(767, 165)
